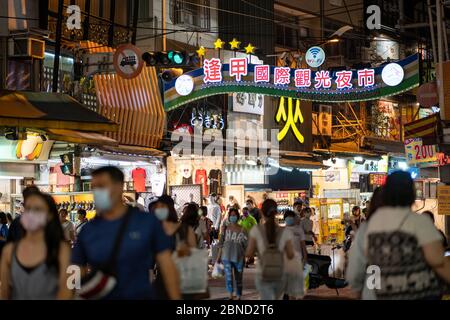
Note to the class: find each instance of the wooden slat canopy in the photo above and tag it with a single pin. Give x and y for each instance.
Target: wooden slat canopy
(135, 104)
(49, 111)
(80, 137)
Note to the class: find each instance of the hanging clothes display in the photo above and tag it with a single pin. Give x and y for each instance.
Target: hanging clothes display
(201, 178)
(215, 181)
(139, 175)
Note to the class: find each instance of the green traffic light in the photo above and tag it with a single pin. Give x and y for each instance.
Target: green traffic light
(178, 58)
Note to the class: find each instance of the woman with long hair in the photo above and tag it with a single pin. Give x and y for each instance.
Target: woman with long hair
(232, 245)
(34, 267)
(270, 238)
(190, 224)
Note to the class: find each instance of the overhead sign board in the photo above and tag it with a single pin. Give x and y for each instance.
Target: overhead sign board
(217, 77)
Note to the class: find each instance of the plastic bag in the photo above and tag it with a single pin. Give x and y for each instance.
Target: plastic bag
(193, 271)
(218, 270)
(306, 271)
(294, 283)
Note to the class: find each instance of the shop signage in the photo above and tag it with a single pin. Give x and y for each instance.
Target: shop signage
(417, 153)
(184, 85)
(127, 61)
(31, 149)
(443, 193)
(247, 102)
(427, 95)
(218, 77)
(377, 179)
(315, 57)
(291, 118)
(392, 74)
(207, 119)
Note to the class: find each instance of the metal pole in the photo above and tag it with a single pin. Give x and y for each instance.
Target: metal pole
(440, 59)
(112, 18)
(87, 9)
(135, 20)
(164, 37)
(433, 41)
(57, 45)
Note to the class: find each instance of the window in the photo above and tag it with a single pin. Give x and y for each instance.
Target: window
(195, 13)
(145, 11)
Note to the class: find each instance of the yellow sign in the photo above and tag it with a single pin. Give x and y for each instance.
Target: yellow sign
(416, 152)
(290, 118)
(444, 200)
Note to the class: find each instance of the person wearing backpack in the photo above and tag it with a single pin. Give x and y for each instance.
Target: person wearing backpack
(272, 244)
(405, 246)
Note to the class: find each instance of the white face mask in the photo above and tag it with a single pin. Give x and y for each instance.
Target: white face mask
(161, 213)
(33, 221)
(102, 199)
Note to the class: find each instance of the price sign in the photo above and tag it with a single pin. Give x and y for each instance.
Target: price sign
(416, 152)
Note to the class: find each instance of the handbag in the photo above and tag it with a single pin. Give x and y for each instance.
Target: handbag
(102, 280)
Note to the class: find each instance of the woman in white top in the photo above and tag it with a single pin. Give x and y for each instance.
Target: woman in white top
(404, 250)
(269, 233)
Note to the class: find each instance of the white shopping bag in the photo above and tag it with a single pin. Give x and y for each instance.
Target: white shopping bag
(218, 270)
(193, 271)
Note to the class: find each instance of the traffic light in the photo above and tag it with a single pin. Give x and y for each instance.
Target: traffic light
(170, 74)
(171, 59)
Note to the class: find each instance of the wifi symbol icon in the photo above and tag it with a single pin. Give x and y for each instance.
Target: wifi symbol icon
(314, 51)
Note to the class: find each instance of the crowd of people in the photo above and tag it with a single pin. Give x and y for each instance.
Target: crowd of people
(126, 253)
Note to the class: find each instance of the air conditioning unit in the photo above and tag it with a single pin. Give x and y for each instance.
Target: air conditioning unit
(187, 17)
(325, 120)
(28, 47)
(315, 123)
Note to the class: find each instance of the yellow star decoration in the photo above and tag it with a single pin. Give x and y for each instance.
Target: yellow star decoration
(219, 44)
(249, 49)
(234, 44)
(201, 51)
(291, 119)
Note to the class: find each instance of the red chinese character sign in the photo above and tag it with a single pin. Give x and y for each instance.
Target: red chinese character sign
(239, 75)
(213, 70)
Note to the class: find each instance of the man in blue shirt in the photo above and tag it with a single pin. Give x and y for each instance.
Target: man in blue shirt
(144, 241)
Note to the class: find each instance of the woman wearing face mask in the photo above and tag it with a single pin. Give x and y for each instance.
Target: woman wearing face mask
(34, 267)
(232, 246)
(182, 238)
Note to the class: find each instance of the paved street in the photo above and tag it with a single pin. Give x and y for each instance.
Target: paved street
(218, 291)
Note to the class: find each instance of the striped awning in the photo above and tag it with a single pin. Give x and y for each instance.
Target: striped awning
(423, 128)
(135, 104)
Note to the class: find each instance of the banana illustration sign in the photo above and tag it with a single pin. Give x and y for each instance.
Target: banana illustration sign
(25, 146)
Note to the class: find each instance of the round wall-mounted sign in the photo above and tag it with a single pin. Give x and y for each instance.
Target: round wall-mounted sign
(184, 85)
(128, 61)
(392, 74)
(315, 57)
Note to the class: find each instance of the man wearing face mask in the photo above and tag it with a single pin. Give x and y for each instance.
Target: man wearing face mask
(142, 242)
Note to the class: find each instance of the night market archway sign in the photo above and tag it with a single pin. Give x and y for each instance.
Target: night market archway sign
(322, 86)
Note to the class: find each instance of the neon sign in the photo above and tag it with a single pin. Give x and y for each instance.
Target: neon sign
(291, 118)
(217, 77)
